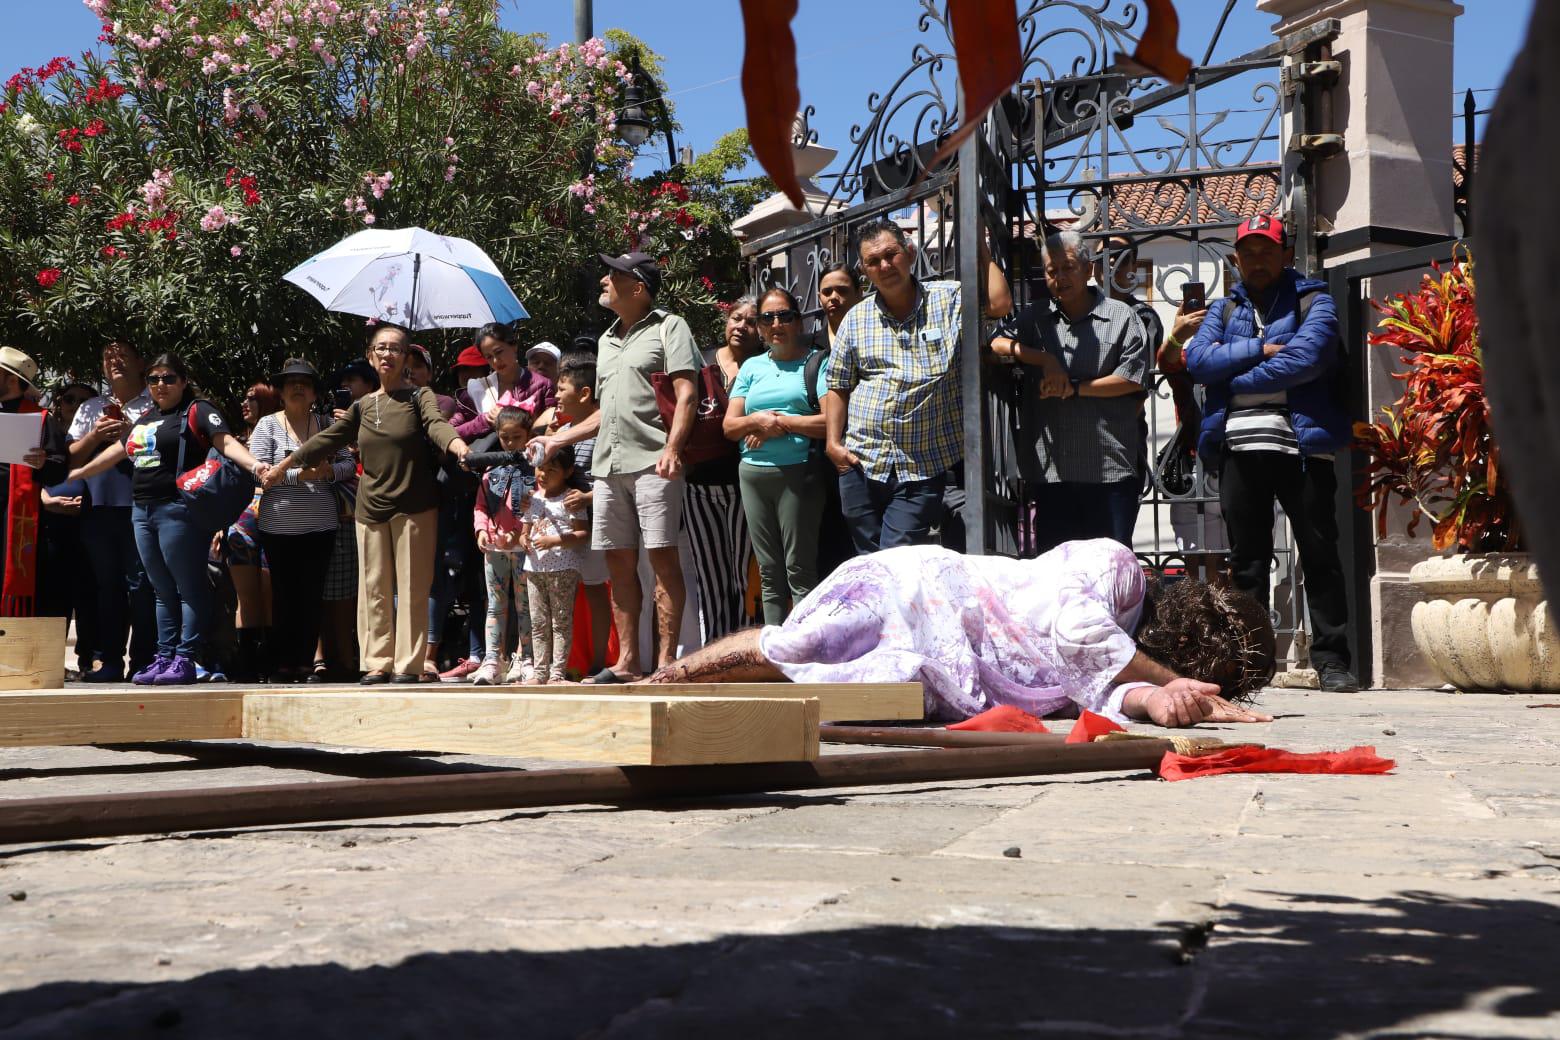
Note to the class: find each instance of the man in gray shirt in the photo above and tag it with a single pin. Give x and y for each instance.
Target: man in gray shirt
(1081, 412)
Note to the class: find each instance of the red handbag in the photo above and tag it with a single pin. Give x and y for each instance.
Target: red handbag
(708, 440)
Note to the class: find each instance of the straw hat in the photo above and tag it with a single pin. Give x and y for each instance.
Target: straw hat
(19, 365)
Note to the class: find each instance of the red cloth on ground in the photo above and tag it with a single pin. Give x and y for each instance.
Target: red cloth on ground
(1089, 726)
(1004, 718)
(1360, 760)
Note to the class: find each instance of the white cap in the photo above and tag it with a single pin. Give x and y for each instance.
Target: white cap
(545, 347)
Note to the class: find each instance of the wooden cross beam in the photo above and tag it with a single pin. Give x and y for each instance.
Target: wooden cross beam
(627, 725)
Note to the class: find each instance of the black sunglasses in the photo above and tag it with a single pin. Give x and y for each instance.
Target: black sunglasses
(784, 317)
(166, 379)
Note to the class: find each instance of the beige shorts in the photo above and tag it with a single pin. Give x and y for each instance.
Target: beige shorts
(593, 567)
(634, 509)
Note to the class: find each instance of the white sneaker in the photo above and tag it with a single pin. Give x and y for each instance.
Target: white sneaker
(486, 675)
(522, 672)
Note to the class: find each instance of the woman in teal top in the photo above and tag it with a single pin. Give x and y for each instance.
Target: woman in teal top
(778, 423)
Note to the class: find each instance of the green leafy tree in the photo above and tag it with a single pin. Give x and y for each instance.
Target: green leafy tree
(160, 187)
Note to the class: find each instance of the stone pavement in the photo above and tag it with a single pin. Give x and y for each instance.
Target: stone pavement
(1425, 903)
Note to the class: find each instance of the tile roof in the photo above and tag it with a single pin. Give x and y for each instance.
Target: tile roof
(1460, 161)
(1222, 198)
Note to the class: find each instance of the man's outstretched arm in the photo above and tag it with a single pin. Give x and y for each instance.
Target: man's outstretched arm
(733, 658)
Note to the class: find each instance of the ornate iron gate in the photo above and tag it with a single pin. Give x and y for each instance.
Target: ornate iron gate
(1161, 174)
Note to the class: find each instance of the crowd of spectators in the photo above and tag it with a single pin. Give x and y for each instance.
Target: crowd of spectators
(489, 527)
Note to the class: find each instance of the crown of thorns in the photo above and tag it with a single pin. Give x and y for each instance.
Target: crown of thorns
(1253, 676)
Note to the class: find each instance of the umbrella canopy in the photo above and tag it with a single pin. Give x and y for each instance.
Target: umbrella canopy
(411, 277)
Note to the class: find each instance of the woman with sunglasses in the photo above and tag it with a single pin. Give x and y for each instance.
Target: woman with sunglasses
(772, 414)
(173, 548)
(397, 506)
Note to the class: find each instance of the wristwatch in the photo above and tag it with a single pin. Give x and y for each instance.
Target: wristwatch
(1074, 383)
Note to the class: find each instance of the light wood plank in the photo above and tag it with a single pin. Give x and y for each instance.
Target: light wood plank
(97, 717)
(32, 653)
(576, 727)
(837, 702)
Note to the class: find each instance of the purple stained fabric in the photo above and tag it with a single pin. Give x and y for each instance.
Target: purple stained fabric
(977, 631)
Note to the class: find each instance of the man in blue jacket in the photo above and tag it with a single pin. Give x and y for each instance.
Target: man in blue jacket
(1271, 426)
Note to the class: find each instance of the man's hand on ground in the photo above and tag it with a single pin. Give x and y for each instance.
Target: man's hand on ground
(1186, 702)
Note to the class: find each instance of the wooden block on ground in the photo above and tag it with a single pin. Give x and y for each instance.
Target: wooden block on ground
(578, 727)
(32, 653)
(837, 702)
(98, 717)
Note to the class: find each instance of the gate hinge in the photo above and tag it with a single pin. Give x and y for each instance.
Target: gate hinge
(1316, 146)
(1324, 73)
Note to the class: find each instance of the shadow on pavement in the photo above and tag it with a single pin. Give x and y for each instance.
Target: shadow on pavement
(1312, 966)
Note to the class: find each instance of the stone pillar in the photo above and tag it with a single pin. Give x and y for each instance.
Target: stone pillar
(1389, 188)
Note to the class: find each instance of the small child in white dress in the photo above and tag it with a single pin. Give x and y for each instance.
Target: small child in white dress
(552, 536)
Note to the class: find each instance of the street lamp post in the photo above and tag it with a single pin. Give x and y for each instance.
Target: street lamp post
(639, 118)
(582, 21)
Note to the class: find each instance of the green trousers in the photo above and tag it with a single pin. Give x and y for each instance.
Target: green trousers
(784, 506)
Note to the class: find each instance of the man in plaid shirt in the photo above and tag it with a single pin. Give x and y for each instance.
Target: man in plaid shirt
(894, 411)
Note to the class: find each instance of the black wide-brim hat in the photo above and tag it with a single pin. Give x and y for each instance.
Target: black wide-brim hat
(296, 367)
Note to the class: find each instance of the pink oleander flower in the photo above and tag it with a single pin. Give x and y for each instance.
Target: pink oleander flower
(216, 219)
(236, 251)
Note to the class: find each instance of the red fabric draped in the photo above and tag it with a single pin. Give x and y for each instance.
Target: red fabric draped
(769, 87)
(1156, 49)
(19, 592)
(1004, 718)
(1356, 760)
(1089, 726)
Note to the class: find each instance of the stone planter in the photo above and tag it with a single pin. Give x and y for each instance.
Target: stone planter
(1483, 624)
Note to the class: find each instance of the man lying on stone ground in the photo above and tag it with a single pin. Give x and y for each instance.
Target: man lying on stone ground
(1080, 627)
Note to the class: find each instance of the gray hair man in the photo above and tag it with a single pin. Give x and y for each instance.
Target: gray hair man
(637, 460)
(1081, 443)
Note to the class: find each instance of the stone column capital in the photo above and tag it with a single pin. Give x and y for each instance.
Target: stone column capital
(1297, 14)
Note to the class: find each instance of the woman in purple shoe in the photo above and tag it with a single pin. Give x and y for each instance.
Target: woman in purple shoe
(173, 548)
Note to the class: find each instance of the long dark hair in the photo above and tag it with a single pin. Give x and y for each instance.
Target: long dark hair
(1209, 633)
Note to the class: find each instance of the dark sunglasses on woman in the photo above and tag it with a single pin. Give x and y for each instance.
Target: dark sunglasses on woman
(784, 317)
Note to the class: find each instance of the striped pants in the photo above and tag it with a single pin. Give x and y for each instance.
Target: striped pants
(718, 541)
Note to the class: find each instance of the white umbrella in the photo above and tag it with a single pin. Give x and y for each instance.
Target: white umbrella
(411, 277)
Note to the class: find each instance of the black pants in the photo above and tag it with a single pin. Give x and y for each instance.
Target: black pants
(1249, 482)
(298, 563)
(1072, 512)
(126, 603)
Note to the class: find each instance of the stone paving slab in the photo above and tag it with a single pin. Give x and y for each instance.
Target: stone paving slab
(1425, 903)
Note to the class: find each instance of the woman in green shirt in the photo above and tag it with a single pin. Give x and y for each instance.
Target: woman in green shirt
(397, 506)
(778, 423)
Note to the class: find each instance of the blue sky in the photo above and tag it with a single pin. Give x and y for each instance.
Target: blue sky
(846, 49)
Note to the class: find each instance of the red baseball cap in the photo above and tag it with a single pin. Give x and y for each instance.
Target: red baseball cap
(471, 357)
(1264, 224)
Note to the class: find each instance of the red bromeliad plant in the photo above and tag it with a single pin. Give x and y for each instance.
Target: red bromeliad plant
(1434, 449)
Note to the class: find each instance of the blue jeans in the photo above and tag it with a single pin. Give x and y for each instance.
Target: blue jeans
(883, 514)
(173, 550)
(1069, 512)
(109, 535)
